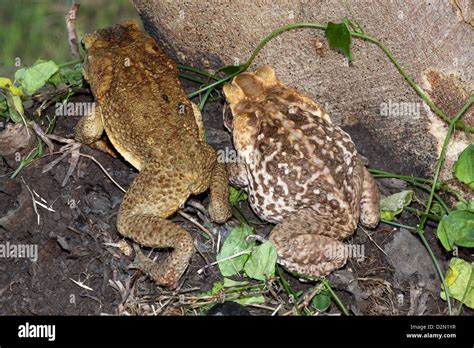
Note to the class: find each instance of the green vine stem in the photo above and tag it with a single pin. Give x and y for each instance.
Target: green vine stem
(396, 224)
(361, 35)
(412, 83)
(439, 164)
(442, 156)
(334, 296)
(418, 212)
(417, 182)
(192, 78)
(197, 71)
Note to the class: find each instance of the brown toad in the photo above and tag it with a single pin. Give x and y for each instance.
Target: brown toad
(300, 171)
(148, 118)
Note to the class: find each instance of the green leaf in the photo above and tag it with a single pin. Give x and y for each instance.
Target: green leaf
(3, 106)
(236, 195)
(339, 37)
(250, 299)
(393, 205)
(6, 83)
(469, 206)
(322, 300)
(229, 283)
(33, 78)
(261, 263)
(460, 283)
(73, 77)
(235, 244)
(15, 107)
(464, 166)
(232, 69)
(437, 209)
(216, 287)
(457, 228)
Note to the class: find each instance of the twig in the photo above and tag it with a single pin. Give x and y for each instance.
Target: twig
(199, 271)
(201, 227)
(70, 18)
(372, 240)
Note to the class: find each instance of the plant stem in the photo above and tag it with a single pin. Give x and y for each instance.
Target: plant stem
(359, 35)
(468, 286)
(396, 224)
(254, 54)
(416, 182)
(287, 287)
(192, 78)
(197, 71)
(411, 82)
(439, 164)
(382, 173)
(204, 98)
(335, 297)
(277, 32)
(420, 213)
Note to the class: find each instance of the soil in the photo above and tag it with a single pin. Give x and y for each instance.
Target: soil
(80, 270)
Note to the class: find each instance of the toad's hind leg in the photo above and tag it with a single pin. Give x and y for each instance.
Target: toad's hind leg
(308, 243)
(151, 198)
(369, 202)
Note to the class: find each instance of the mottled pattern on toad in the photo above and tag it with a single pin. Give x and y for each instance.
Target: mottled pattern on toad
(300, 171)
(148, 118)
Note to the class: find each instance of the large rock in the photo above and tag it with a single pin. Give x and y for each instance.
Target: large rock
(425, 37)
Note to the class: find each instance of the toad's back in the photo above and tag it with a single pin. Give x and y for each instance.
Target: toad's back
(303, 161)
(142, 102)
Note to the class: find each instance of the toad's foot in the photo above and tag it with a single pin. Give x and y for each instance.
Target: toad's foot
(157, 273)
(306, 243)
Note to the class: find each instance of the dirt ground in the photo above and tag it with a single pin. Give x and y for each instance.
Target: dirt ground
(77, 273)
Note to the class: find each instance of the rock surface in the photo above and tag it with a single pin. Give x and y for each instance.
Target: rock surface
(435, 36)
(407, 255)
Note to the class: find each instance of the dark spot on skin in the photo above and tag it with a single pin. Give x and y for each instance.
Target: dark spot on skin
(266, 190)
(258, 197)
(297, 118)
(322, 198)
(165, 98)
(333, 204)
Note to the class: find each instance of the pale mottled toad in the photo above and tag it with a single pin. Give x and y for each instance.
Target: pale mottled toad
(148, 118)
(300, 171)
